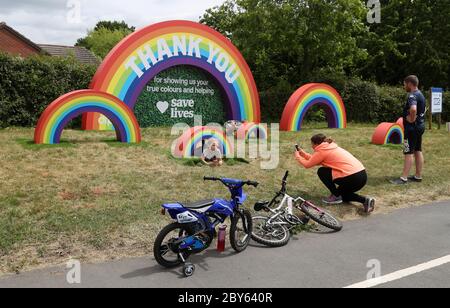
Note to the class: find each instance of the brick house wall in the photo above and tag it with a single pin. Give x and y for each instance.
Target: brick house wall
(14, 43)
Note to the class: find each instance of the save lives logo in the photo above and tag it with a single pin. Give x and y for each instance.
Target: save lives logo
(179, 108)
(162, 106)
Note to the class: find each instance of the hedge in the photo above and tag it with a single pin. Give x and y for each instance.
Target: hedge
(274, 100)
(28, 85)
(362, 101)
(365, 101)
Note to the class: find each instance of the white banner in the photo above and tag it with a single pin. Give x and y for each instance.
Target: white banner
(436, 100)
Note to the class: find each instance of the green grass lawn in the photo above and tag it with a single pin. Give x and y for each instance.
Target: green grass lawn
(94, 199)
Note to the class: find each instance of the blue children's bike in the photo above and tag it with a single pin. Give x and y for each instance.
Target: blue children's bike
(195, 226)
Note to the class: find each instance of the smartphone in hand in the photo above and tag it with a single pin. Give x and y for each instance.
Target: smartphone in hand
(297, 147)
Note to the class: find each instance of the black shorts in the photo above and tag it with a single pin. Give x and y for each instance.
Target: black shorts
(413, 139)
(210, 160)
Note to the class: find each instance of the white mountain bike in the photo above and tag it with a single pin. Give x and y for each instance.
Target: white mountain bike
(275, 230)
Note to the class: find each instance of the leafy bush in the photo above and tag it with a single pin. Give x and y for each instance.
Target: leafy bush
(365, 101)
(336, 79)
(28, 86)
(274, 100)
(391, 101)
(361, 101)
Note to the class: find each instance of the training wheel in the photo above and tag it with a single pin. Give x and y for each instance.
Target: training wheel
(188, 269)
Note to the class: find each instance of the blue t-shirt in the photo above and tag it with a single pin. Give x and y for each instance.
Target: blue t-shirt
(415, 98)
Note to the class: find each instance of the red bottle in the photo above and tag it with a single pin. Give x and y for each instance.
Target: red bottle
(221, 238)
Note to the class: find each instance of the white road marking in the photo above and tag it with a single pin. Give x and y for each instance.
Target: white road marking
(401, 274)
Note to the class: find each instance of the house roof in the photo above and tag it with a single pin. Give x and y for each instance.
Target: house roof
(81, 54)
(4, 26)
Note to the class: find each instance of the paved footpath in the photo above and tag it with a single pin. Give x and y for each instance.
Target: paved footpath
(411, 247)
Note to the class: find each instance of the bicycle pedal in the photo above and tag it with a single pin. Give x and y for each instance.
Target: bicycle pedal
(293, 220)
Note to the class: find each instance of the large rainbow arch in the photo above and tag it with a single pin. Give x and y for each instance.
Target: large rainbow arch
(139, 57)
(309, 95)
(67, 107)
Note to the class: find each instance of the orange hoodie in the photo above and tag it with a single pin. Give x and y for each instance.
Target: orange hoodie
(332, 156)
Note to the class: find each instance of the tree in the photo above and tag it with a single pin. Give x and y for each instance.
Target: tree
(105, 36)
(114, 25)
(287, 42)
(291, 39)
(412, 38)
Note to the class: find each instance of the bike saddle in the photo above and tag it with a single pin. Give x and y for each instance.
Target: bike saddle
(260, 205)
(199, 204)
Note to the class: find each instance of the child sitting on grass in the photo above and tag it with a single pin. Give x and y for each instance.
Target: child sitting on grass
(211, 155)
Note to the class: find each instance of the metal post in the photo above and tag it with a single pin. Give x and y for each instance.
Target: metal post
(430, 111)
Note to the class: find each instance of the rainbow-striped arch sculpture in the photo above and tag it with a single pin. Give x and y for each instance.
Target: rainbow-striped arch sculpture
(60, 112)
(138, 58)
(193, 141)
(306, 97)
(389, 133)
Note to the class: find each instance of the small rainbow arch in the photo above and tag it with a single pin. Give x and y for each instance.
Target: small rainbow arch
(139, 57)
(191, 142)
(252, 130)
(309, 95)
(388, 133)
(67, 107)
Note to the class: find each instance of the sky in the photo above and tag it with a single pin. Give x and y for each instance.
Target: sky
(64, 21)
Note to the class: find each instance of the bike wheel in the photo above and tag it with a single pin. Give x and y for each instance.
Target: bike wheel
(273, 235)
(241, 230)
(166, 255)
(320, 216)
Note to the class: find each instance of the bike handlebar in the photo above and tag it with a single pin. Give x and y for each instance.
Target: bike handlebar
(284, 182)
(250, 183)
(285, 176)
(209, 178)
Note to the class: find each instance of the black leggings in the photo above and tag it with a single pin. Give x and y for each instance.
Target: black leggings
(348, 186)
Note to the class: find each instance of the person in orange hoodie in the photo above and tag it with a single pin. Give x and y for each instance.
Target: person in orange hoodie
(341, 172)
